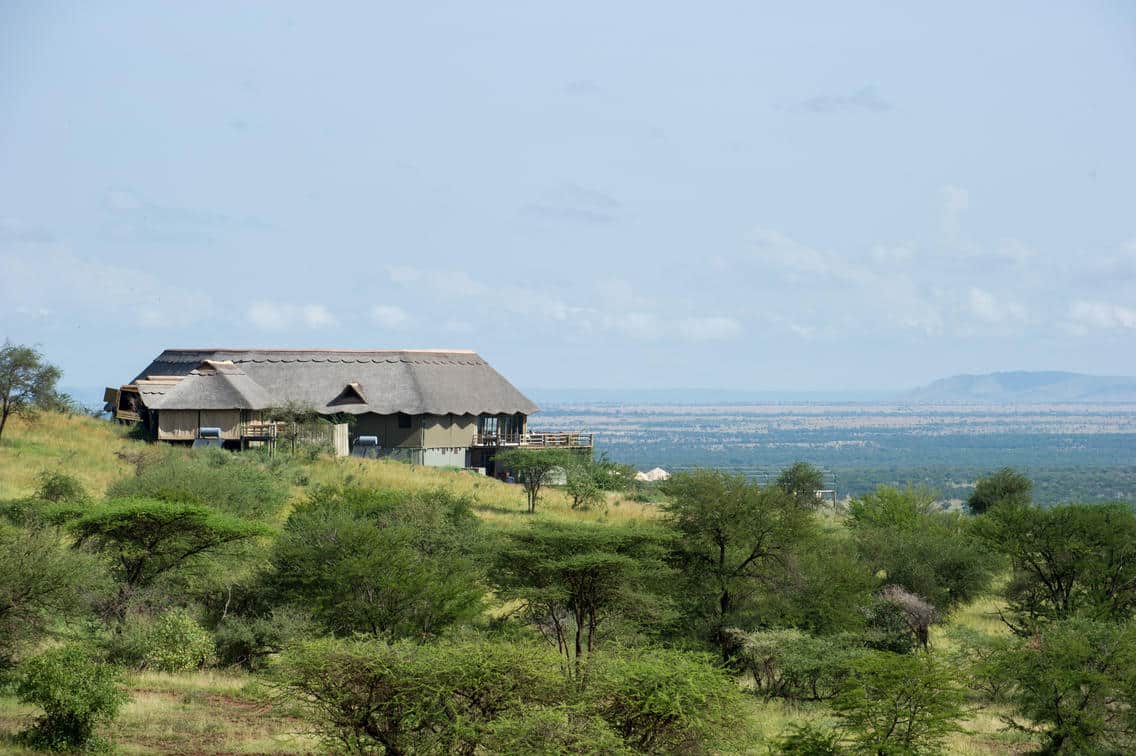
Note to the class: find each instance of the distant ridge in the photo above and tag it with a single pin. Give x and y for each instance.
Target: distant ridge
(1028, 386)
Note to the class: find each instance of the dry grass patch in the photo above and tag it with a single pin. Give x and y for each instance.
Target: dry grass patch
(200, 712)
(493, 500)
(77, 445)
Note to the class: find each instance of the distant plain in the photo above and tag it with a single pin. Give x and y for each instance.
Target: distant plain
(1073, 451)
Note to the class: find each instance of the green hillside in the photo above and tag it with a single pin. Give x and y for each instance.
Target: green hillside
(334, 566)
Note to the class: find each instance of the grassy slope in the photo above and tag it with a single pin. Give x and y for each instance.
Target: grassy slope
(212, 712)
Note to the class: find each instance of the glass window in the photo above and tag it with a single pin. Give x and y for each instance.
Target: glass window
(404, 420)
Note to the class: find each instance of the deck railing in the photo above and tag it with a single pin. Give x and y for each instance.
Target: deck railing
(538, 440)
(262, 429)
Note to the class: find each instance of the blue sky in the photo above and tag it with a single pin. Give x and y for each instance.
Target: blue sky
(620, 195)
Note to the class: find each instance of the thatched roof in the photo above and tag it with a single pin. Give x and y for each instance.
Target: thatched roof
(213, 385)
(385, 382)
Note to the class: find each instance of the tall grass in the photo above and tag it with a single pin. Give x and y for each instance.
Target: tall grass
(79, 446)
(195, 712)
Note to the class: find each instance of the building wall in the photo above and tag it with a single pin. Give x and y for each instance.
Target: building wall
(177, 425)
(450, 457)
(386, 428)
(448, 431)
(182, 425)
(229, 421)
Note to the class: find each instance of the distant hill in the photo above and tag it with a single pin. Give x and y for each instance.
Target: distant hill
(1026, 386)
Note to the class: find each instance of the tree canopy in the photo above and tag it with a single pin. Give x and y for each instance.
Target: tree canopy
(534, 468)
(571, 578)
(386, 563)
(731, 533)
(1007, 486)
(145, 539)
(1068, 560)
(27, 382)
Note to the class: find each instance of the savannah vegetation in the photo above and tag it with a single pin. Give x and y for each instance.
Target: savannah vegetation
(160, 599)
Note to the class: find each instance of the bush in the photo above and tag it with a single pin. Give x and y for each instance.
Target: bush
(249, 641)
(232, 483)
(886, 627)
(1076, 679)
(175, 642)
(474, 694)
(551, 731)
(898, 703)
(669, 701)
(931, 554)
(41, 581)
(791, 664)
(381, 562)
(58, 486)
(806, 740)
(76, 692)
(365, 694)
(821, 588)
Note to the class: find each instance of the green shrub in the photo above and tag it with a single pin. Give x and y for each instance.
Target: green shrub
(669, 701)
(42, 581)
(899, 703)
(381, 562)
(794, 665)
(58, 486)
(821, 587)
(806, 740)
(76, 692)
(886, 627)
(232, 483)
(175, 642)
(1076, 681)
(551, 731)
(171, 642)
(365, 694)
(249, 641)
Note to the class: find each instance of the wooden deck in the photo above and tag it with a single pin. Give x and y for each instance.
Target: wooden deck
(535, 440)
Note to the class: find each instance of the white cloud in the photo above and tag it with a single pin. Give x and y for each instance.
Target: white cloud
(390, 316)
(714, 328)
(994, 310)
(892, 254)
(458, 286)
(955, 201)
(276, 316)
(457, 326)
(801, 261)
(1102, 315)
(51, 281)
(1015, 251)
(641, 326)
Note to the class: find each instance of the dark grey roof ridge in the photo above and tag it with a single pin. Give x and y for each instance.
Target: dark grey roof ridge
(353, 351)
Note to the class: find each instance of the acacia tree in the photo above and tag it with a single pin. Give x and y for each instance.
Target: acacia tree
(299, 420)
(27, 382)
(801, 481)
(1076, 679)
(1068, 560)
(381, 562)
(41, 580)
(570, 578)
(534, 468)
(146, 539)
(1007, 486)
(898, 703)
(732, 535)
(930, 553)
